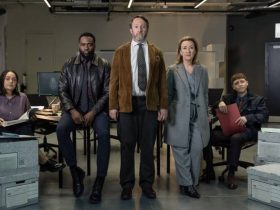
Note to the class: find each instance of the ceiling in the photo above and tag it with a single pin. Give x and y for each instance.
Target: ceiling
(158, 6)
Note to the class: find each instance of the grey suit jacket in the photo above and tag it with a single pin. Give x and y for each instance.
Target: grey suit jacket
(179, 98)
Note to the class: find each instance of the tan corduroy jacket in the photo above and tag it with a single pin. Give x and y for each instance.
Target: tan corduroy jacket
(120, 87)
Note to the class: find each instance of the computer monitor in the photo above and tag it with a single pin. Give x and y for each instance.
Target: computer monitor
(214, 95)
(48, 83)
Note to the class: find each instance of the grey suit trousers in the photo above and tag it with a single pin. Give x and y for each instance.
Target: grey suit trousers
(188, 160)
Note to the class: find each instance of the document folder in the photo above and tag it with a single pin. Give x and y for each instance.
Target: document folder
(227, 120)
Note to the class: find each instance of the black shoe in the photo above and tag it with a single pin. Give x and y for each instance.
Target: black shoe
(126, 193)
(78, 176)
(208, 175)
(231, 183)
(149, 192)
(95, 196)
(189, 191)
(52, 166)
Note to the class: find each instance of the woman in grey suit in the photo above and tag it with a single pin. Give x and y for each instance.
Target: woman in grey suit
(187, 128)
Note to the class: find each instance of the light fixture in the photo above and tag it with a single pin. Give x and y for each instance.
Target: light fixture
(274, 4)
(199, 4)
(47, 3)
(129, 4)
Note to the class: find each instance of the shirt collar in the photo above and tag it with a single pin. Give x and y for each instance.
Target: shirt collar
(134, 43)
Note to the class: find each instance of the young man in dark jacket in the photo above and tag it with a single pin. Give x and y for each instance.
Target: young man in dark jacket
(253, 113)
(84, 93)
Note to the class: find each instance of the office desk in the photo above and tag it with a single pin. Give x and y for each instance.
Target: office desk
(51, 118)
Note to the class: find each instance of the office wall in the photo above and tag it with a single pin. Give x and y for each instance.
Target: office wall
(246, 47)
(2, 41)
(32, 29)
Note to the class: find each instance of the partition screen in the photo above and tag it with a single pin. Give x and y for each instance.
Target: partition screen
(48, 83)
(214, 95)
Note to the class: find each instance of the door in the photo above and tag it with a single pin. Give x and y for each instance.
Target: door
(272, 74)
(40, 57)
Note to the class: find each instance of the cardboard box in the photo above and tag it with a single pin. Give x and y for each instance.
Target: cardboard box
(264, 184)
(20, 188)
(16, 153)
(269, 146)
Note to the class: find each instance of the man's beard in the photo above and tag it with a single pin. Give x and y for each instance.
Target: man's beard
(140, 37)
(88, 56)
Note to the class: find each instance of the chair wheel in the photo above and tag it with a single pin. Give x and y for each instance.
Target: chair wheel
(221, 178)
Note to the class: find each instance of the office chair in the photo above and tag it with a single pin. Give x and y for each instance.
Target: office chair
(241, 163)
(225, 146)
(43, 127)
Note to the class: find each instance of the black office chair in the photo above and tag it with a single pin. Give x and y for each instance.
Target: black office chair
(43, 127)
(241, 163)
(225, 146)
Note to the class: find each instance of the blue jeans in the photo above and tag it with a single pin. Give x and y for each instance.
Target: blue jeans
(100, 125)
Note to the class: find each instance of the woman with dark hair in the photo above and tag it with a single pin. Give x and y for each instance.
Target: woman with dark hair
(187, 128)
(13, 104)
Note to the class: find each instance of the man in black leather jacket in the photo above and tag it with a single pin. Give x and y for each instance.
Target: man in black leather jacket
(253, 113)
(83, 91)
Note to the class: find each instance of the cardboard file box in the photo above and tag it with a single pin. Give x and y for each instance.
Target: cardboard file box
(264, 184)
(19, 189)
(268, 147)
(16, 153)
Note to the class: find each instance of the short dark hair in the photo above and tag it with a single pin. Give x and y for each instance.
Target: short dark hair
(179, 56)
(139, 16)
(88, 34)
(237, 76)
(2, 79)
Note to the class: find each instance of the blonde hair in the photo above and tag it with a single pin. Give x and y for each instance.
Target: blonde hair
(179, 56)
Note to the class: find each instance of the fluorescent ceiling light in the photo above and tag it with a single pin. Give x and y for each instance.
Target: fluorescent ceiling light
(129, 4)
(47, 3)
(199, 4)
(273, 5)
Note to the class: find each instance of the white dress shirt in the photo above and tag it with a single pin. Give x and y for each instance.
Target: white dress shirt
(134, 66)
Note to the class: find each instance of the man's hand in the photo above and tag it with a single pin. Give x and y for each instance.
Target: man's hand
(88, 118)
(222, 107)
(76, 116)
(162, 115)
(114, 114)
(241, 121)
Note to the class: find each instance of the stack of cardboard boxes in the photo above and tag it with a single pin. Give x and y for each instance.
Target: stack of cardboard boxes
(19, 171)
(264, 180)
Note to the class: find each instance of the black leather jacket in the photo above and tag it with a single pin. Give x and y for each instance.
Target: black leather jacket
(70, 86)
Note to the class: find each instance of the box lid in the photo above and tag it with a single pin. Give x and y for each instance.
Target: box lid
(269, 171)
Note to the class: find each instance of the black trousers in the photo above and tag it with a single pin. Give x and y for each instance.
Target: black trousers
(140, 127)
(235, 143)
